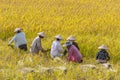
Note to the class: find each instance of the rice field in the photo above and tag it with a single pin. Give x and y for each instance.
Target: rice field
(92, 22)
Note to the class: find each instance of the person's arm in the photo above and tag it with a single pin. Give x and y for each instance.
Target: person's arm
(65, 52)
(97, 55)
(12, 40)
(59, 47)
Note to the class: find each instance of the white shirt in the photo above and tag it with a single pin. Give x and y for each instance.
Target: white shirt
(19, 39)
(36, 45)
(56, 48)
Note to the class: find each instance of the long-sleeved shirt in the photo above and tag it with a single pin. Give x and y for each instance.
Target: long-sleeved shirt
(73, 43)
(19, 39)
(36, 45)
(56, 49)
(76, 45)
(102, 55)
(74, 54)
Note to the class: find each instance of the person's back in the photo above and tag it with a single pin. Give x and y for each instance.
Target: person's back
(74, 54)
(20, 39)
(34, 42)
(102, 56)
(56, 48)
(34, 48)
(76, 45)
(36, 45)
(72, 39)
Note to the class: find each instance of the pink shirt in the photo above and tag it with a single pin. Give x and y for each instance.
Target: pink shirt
(74, 54)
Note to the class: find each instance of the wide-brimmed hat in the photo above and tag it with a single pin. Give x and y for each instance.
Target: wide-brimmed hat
(67, 43)
(58, 37)
(103, 47)
(17, 29)
(71, 38)
(41, 34)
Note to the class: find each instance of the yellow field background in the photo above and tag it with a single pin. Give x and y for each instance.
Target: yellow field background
(92, 22)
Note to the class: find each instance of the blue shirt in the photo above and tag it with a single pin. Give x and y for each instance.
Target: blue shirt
(19, 39)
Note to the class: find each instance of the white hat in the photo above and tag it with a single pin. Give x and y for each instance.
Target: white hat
(72, 38)
(41, 34)
(58, 37)
(17, 29)
(68, 43)
(102, 47)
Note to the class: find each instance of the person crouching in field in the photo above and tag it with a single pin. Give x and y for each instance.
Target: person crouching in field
(72, 39)
(102, 56)
(56, 48)
(37, 45)
(19, 39)
(73, 53)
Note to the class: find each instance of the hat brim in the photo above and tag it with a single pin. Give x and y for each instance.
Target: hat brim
(70, 39)
(58, 38)
(18, 29)
(41, 35)
(102, 48)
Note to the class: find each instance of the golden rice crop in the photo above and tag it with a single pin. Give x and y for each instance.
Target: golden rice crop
(92, 22)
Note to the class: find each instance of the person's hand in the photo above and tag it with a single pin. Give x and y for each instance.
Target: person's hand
(44, 51)
(48, 50)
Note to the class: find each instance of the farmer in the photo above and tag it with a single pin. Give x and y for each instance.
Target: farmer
(37, 45)
(72, 39)
(56, 48)
(19, 39)
(102, 55)
(73, 53)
